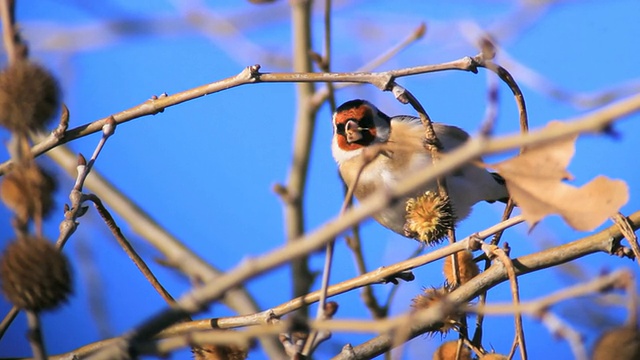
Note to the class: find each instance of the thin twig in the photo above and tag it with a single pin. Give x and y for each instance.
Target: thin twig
(35, 336)
(614, 280)
(8, 319)
(129, 250)
(107, 130)
(367, 296)
(494, 251)
(394, 290)
(324, 64)
(506, 77)
(309, 345)
(487, 127)
(560, 328)
(632, 300)
(322, 94)
(10, 37)
(544, 85)
(491, 111)
(69, 224)
(302, 140)
(368, 155)
(417, 34)
(326, 58)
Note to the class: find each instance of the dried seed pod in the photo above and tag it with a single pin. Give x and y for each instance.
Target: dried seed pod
(467, 268)
(622, 343)
(35, 275)
(29, 97)
(220, 352)
(429, 298)
(428, 218)
(28, 191)
(448, 350)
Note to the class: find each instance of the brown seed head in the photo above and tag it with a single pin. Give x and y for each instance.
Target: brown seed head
(28, 191)
(431, 297)
(448, 350)
(622, 343)
(29, 97)
(220, 352)
(428, 218)
(467, 268)
(34, 274)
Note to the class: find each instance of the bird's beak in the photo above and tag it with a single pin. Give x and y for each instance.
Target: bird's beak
(352, 131)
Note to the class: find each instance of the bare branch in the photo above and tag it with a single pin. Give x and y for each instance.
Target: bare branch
(35, 336)
(129, 250)
(249, 75)
(302, 140)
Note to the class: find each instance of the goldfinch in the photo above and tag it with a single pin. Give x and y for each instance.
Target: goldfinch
(358, 124)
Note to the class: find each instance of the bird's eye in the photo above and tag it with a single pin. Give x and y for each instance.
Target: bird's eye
(340, 129)
(367, 122)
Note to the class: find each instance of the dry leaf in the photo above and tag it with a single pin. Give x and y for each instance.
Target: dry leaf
(535, 182)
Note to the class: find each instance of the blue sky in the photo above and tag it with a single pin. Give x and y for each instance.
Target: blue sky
(205, 169)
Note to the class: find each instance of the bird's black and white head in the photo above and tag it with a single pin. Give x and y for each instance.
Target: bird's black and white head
(356, 125)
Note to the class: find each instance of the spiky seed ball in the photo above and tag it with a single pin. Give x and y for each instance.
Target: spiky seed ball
(29, 97)
(467, 268)
(447, 351)
(34, 274)
(428, 218)
(429, 298)
(622, 343)
(28, 191)
(220, 352)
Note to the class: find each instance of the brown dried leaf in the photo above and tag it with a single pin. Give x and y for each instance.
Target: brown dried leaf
(535, 182)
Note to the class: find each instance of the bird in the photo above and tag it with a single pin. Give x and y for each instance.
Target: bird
(358, 125)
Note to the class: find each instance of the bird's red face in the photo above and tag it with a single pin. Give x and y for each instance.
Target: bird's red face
(354, 125)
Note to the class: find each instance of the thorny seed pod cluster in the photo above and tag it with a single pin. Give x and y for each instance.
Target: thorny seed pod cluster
(429, 217)
(34, 274)
(432, 297)
(214, 352)
(29, 97)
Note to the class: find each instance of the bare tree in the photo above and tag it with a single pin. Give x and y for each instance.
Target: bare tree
(36, 275)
